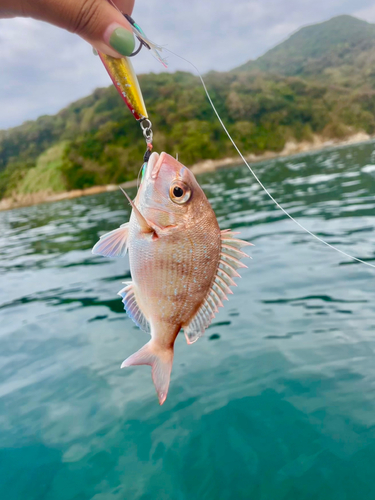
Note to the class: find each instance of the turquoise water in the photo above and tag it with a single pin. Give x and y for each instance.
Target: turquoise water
(276, 401)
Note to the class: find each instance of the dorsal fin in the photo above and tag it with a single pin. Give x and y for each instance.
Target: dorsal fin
(228, 263)
(199, 323)
(132, 308)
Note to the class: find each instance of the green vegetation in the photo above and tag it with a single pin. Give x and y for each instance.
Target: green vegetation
(47, 175)
(319, 81)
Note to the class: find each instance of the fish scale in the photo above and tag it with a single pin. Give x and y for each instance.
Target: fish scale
(161, 275)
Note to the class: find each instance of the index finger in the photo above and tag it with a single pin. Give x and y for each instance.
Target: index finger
(126, 6)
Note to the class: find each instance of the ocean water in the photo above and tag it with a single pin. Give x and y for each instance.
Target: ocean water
(276, 401)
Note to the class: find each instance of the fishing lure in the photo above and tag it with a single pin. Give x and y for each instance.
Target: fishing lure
(125, 80)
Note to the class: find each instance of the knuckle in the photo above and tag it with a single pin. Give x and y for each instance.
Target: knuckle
(87, 17)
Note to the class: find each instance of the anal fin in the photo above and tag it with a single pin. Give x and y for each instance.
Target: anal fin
(201, 320)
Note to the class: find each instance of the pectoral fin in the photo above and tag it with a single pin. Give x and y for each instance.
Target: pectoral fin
(113, 244)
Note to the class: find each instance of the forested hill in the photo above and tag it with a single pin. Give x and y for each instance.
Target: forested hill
(319, 81)
(340, 50)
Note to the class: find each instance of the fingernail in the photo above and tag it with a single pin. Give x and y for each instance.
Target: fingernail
(94, 51)
(122, 40)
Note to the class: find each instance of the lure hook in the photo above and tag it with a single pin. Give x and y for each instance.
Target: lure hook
(136, 51)
(142, 43)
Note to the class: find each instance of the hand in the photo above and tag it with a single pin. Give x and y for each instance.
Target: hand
(96, 21)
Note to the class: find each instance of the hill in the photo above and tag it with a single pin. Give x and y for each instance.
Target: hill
(318, 82)
(339, 45)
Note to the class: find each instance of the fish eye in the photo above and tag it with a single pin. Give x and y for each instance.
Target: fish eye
(179, 192)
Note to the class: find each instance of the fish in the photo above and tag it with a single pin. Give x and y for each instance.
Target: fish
(182, 264)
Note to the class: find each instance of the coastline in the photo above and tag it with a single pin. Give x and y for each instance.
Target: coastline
(291, 148)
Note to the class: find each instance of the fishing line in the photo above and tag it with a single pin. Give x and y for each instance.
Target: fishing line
(257, 178)
(139, 173)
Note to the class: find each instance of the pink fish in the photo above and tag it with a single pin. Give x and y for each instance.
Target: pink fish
(181, 263)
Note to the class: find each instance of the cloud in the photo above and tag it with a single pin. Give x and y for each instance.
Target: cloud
(367, 14)
(44, 68)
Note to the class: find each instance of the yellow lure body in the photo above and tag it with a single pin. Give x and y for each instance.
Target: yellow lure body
(126, 82)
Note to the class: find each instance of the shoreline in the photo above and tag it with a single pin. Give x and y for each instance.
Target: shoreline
(291, 148)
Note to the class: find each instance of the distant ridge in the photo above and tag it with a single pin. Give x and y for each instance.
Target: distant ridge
(313, 49)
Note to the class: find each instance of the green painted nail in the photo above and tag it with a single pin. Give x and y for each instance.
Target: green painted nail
(122, 41)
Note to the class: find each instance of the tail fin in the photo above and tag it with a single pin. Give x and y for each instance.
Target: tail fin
(160, 359)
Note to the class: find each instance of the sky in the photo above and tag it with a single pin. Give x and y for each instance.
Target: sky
(44, 68)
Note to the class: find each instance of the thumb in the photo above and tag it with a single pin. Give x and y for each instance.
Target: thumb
(96, 21)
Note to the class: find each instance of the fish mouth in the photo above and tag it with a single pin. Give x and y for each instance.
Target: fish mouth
(152, 166)
(156, 161)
